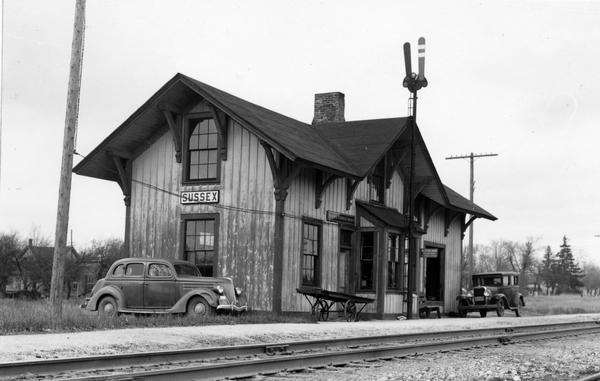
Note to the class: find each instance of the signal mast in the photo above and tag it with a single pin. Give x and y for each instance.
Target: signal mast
(414, 82)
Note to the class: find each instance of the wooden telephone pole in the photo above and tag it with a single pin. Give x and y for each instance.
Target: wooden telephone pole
(471, 158)
(64, 190)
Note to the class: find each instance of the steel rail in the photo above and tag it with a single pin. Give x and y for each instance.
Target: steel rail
(249, 368)
(591, 377)
(496, 334)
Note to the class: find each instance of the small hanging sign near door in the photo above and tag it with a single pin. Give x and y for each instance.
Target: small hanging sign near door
(340, 217)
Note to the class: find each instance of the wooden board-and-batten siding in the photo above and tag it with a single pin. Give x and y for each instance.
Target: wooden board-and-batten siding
(452, 256)
(301, 203)
(245, 238)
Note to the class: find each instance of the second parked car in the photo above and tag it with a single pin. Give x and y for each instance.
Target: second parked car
(152, 285)
(494, 291)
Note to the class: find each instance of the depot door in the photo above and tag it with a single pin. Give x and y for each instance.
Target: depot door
(433, 273)
(343, 267)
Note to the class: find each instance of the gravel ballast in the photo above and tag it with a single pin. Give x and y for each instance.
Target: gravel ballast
(75, 344)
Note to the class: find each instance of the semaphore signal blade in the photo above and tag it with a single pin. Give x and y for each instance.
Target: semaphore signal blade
(407, 63)
(421, 58)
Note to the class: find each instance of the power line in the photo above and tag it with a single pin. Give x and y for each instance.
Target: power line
(472, 156)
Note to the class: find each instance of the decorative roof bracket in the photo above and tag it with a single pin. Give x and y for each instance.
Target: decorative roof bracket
(351, 186)
(221, 122)
(124, 181)
(449, 217)
(168, 112)
(321, 186)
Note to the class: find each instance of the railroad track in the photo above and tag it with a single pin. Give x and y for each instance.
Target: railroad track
(248, 360)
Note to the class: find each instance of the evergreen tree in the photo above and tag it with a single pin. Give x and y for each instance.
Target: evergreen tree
(569, 272)
(548, 270)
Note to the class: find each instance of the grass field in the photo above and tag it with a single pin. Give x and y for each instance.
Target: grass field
(561, 304)
(26, 316)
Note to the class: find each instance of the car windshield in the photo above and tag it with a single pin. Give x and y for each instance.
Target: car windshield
(185, 270)
(489, 280)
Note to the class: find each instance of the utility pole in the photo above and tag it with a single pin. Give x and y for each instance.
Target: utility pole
(64, 190)
(471, 158)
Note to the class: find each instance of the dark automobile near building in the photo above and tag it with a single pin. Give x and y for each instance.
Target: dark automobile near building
(156, 285)
(493, 291)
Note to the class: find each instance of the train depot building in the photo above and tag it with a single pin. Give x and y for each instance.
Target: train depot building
(278, 204)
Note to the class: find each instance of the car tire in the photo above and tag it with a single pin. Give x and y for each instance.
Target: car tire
(108, 307)
(199, 307)
(500, 308)
(483, 313)
(462, 312)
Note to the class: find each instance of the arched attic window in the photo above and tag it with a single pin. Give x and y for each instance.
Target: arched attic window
(202, 161)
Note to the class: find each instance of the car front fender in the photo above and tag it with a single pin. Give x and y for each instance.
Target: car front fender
(502, 297)
(110, 290)
(521, 299)
(211, 297)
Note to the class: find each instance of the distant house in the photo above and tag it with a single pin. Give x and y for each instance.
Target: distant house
(276, 203)
(34, 271)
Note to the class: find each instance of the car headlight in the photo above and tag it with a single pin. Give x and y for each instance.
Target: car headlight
(486, 293)
(238, 291)
(218, 289)
(469, 294)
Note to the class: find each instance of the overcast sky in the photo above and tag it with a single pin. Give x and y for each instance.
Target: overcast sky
(521, 79)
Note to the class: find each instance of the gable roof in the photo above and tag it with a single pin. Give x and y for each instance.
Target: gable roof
(363, 142)
(47, 251)
(350, 149)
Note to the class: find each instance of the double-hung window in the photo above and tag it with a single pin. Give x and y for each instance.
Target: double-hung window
(202, 160)
(367, 256)
(311, 247)
(394, 261)
(200, 242)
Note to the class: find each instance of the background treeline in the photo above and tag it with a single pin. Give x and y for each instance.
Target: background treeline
(34, 269)
(541, 269)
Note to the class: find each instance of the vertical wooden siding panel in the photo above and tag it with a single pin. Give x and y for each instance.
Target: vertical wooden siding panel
(246, 183)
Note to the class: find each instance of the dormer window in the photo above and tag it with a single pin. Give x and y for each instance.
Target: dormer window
(202, 161)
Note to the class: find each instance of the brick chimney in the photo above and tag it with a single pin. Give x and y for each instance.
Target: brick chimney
(329, 107)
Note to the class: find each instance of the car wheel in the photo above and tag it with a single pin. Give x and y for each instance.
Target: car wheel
(461, 311)
(483, 313)
(107, 307)
(500, 308)
(199, 307)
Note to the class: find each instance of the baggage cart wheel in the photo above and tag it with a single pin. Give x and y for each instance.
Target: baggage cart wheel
(323, 310)
(350, 311)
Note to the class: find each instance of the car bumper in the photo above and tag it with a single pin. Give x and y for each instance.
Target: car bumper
(477, 307)
(85, 304)
(232, 308)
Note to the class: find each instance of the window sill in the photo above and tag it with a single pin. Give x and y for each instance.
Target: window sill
(201, 182)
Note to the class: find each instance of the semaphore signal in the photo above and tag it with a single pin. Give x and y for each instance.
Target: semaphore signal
(413, 82)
